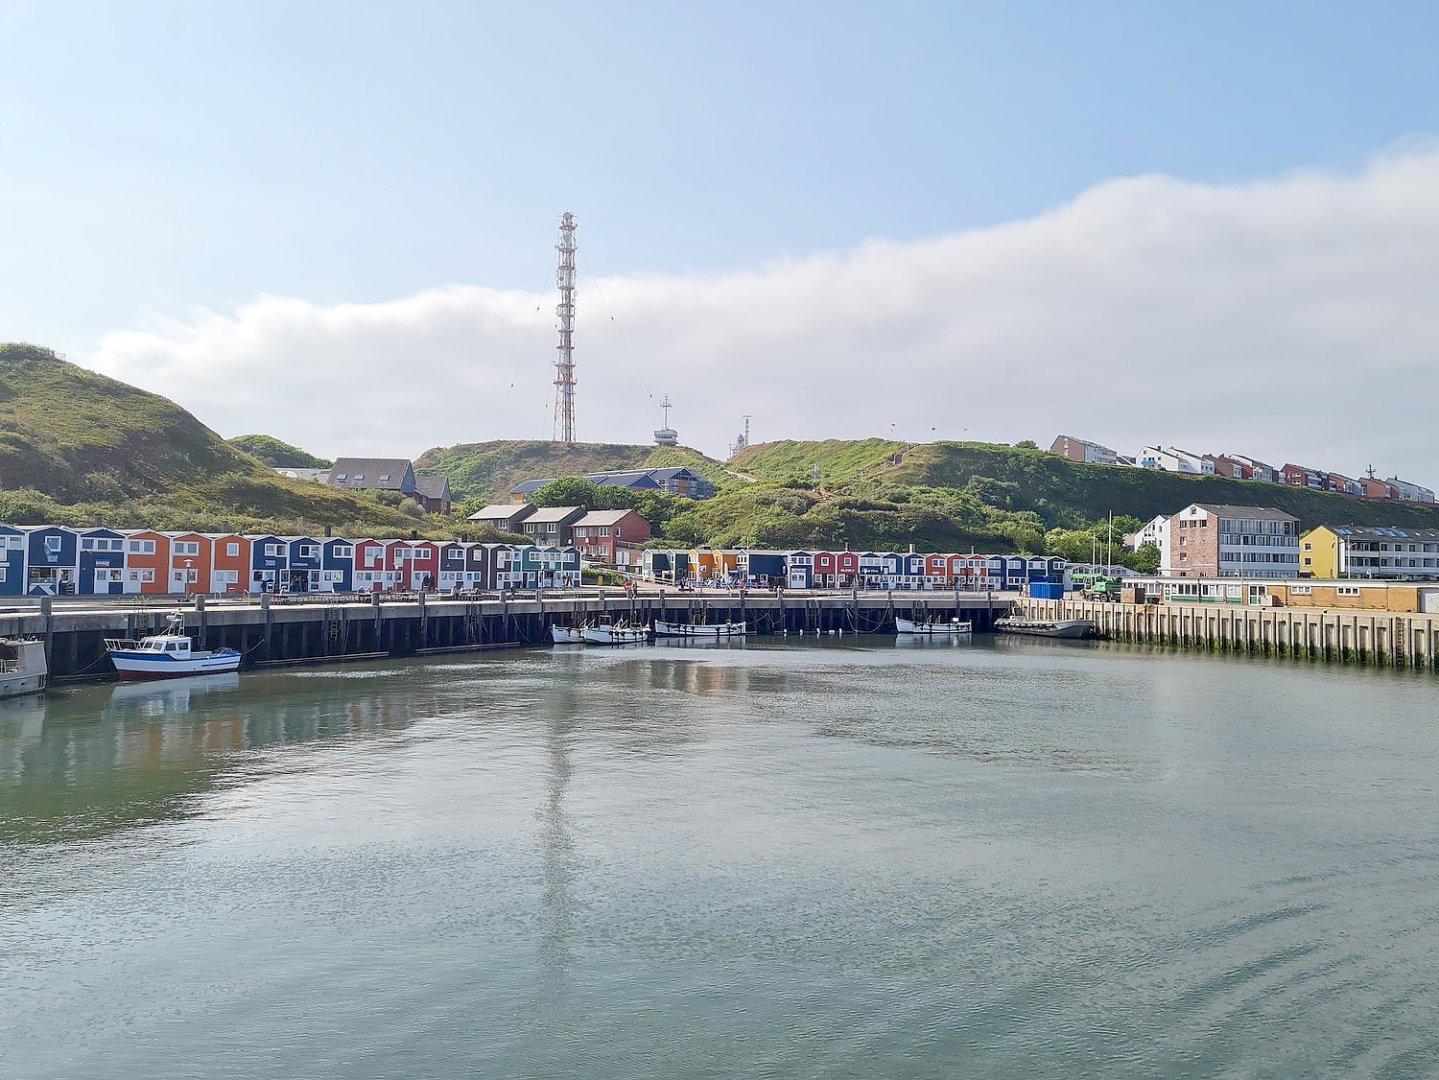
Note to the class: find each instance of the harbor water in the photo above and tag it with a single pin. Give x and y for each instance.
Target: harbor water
(786, 858)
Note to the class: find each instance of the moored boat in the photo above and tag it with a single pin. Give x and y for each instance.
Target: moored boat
(168, 655)
(1055, 628)
(698, 630)
(616, 634)
(568, 635)
(933, 628)
(22, 667)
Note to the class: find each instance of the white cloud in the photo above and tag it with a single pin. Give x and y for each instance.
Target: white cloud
(1290, 319)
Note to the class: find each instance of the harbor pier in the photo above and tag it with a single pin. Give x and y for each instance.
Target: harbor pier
(1383, 638)
(273, 631)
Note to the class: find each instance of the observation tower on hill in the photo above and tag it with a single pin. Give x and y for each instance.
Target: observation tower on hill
(565, 361)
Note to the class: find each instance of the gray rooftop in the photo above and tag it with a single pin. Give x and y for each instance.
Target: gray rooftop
(1386, 532)
(1248, 513)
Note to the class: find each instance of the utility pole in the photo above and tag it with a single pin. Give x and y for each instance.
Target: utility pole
(565, 361)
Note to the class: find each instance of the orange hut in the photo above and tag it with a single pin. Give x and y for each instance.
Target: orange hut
(191, 559)
(147, 562)
(230, 564)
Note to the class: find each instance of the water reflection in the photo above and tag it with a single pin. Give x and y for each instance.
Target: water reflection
(83, 762)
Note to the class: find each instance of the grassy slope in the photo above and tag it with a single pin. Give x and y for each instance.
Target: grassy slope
(277, 453)
(1063, 491)
(840, 461)
(489, 470)
(75, 445)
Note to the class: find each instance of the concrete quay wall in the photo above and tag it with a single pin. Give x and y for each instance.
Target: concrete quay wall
(1408, 640)
(269, 632)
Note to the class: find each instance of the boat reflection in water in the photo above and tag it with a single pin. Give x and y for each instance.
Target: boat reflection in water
(169, 696)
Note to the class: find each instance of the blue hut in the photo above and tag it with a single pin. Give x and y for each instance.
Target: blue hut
(52, 560)
(305, 560)
(268, 556)
(12, 561)
(337, 565)
(102, 563)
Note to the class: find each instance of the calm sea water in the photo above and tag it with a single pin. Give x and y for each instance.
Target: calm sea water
(1005, 859)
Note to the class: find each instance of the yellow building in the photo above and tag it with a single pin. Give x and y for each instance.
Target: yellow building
(1319, 553)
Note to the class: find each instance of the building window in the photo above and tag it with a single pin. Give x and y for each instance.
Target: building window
(342, 551)
(52, 544)
(359, 476)
(341, 476)
(232, 550)
(1347, 590)
(142, 547)
(384, 478)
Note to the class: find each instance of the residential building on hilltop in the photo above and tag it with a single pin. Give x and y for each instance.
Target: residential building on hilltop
(1239, 467)
(674, 480)
(1091, 453)
(552, 524)
(1173, 459)
(600, 533)
(506, 517)
(1369, 551)
(1305, 477)
(433, 493)
(374, 474)
(1411, 492)
(1216, 540)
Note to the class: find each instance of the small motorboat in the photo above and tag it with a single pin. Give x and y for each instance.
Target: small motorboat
(22, 667)
(934, 627)
(168, 655)
(698, 630)
(1055, 628)
(568, 635)
(616, 634)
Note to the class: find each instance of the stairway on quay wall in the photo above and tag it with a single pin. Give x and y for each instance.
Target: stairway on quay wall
(1382, 638)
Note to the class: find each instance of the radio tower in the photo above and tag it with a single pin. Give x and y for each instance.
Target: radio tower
(565, 362)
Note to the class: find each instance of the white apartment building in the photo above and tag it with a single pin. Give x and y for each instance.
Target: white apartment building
(1411, 492)
(1173, 459)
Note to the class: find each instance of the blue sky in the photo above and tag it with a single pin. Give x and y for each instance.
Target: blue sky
(160, 158)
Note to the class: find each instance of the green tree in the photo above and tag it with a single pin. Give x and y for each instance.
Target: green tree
(1145, 560)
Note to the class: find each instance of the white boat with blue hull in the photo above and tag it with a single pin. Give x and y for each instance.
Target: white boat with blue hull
(168, 655)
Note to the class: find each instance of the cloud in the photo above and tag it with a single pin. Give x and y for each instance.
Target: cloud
(1290, 319)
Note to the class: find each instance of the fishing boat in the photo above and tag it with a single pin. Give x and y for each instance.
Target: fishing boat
(934, 627)
(568, 635)
(168, 655)
(22, 667)
(698, 630)
(1055, 628)
(616, 634)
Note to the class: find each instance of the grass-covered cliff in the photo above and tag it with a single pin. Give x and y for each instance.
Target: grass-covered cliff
(487, 471)
(277, 453)
(76, 446)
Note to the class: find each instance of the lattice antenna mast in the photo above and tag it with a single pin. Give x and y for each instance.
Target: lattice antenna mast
(565, 361)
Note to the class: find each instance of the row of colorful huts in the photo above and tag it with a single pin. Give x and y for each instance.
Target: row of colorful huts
(51, 560)
(852, 569)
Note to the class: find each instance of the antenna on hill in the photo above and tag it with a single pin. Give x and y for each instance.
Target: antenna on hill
(743, 440)
(565, 362)
(666, 435)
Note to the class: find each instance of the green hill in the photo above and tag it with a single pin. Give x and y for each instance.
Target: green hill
(949, 495)
(487, 471)
(76, 446)
(277, 453)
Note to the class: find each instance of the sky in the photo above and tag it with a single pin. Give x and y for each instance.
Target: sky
(1211, 225)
